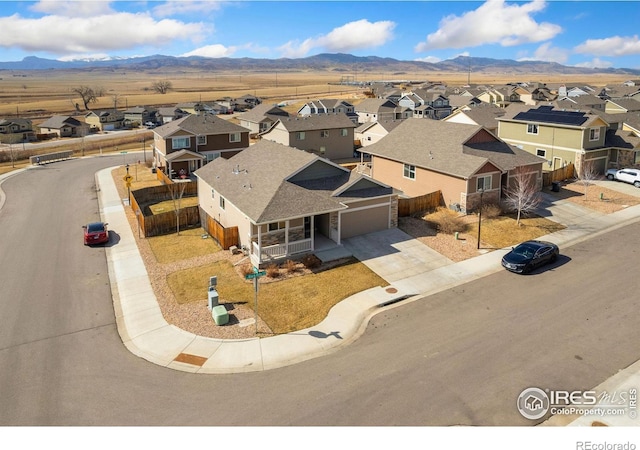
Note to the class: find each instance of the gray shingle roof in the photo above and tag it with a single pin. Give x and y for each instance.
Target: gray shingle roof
(448, 148)
(201, 124)
(259, 112)
(60, 121)
(317, 122)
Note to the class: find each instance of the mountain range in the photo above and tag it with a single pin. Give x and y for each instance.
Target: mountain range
(338, 62)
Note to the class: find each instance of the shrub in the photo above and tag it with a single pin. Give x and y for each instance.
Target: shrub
(246, 269)
(311, 261)
(491, 210)
(273, 271)
(446, 221)
(290, 266)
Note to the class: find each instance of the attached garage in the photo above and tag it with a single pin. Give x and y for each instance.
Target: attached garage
(358, 221)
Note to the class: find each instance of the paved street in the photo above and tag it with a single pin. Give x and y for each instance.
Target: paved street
(457, 357)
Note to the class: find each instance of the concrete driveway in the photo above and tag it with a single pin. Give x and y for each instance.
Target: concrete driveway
(394, 255)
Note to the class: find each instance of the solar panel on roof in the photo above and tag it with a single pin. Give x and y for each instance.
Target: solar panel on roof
(545, 114)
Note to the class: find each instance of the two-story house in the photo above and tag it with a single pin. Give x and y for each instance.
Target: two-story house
(560, 137)
(184, 145)
(329, 106)
(107, 120)
(426, 104)
(140, 115)
(16, 130)
(328, 135)
(374, 109)
(261, 117)
(461, 161)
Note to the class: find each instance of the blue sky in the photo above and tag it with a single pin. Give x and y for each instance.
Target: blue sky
(577, 33)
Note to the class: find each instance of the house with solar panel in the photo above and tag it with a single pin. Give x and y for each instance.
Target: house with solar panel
(560, 137)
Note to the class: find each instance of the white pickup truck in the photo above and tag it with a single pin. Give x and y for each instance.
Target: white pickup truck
(631, 176)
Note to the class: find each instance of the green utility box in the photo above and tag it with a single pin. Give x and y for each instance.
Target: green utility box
(220, 315)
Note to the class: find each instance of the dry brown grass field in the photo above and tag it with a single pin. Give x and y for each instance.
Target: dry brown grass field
(40, 94)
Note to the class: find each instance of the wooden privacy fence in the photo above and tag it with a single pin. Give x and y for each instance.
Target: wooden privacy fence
(226, 237)
(563, 173)
(164, 223)
(409, 206)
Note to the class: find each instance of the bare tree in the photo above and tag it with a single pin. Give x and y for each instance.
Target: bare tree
(177, 191)
(161, 87)
(522, 195)
(586, 175)
(87, 94)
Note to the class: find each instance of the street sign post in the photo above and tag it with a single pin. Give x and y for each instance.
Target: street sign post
(255, 276)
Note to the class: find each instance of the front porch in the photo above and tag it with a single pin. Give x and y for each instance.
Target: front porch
(275, 242)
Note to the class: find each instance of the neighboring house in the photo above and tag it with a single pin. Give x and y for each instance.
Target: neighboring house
(285, 201)
(484, 115)
(328, 135)
(140, 115)
(459, 101)
(329, 106)
(374, 109)
(622, 105)
(261, 117)
(560, 137)
(64, 126)
(423, 156)
(426, 105)
(247, 101)
(107, 120)
(16, 130)
(583, 102)
(169, 113)
(624, 148)
(543, 94)
(371, 132)
(199, 138)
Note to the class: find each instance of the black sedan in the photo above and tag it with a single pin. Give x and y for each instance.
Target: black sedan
(530, 254)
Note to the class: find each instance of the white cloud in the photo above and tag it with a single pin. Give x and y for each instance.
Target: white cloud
(612, 46)
(596, 63)
(429, 59)
(351, 36)
(495, 22)
(72, 8)
(174, 7)
(548, 53)
(96, 34)
(212, 51)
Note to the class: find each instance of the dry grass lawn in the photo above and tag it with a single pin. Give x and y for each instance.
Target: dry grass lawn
(287, 305)
(168, 205)
(189, 244)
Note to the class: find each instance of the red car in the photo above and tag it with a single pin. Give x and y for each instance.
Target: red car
(95, 233)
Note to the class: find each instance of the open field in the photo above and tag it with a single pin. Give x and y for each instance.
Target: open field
(40, 94)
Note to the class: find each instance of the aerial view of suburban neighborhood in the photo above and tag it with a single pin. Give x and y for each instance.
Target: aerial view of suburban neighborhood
(416, 216)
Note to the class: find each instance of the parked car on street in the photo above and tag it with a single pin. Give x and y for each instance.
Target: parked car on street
(95, 233)
(528, 255)
(631, 176)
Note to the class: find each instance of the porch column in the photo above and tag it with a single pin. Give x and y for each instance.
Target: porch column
(313, 233)
(259, 243)
(286, 238)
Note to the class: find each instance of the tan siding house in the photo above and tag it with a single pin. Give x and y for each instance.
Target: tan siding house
(423, 156)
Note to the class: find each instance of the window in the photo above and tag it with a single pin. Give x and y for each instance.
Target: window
(213, 193)
(180, 143)
(594, 134)
(300, 136)
(532, 128)
(484, 183)
(234, 137)
(323, 150)
(201, 140)
(275, 226)
(636, 159)
(212, 156)
(541, 152)
(410, 172)
(221, 202)
(324, 133)
(343, 132)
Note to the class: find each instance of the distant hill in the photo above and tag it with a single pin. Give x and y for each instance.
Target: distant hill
(338, 62)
